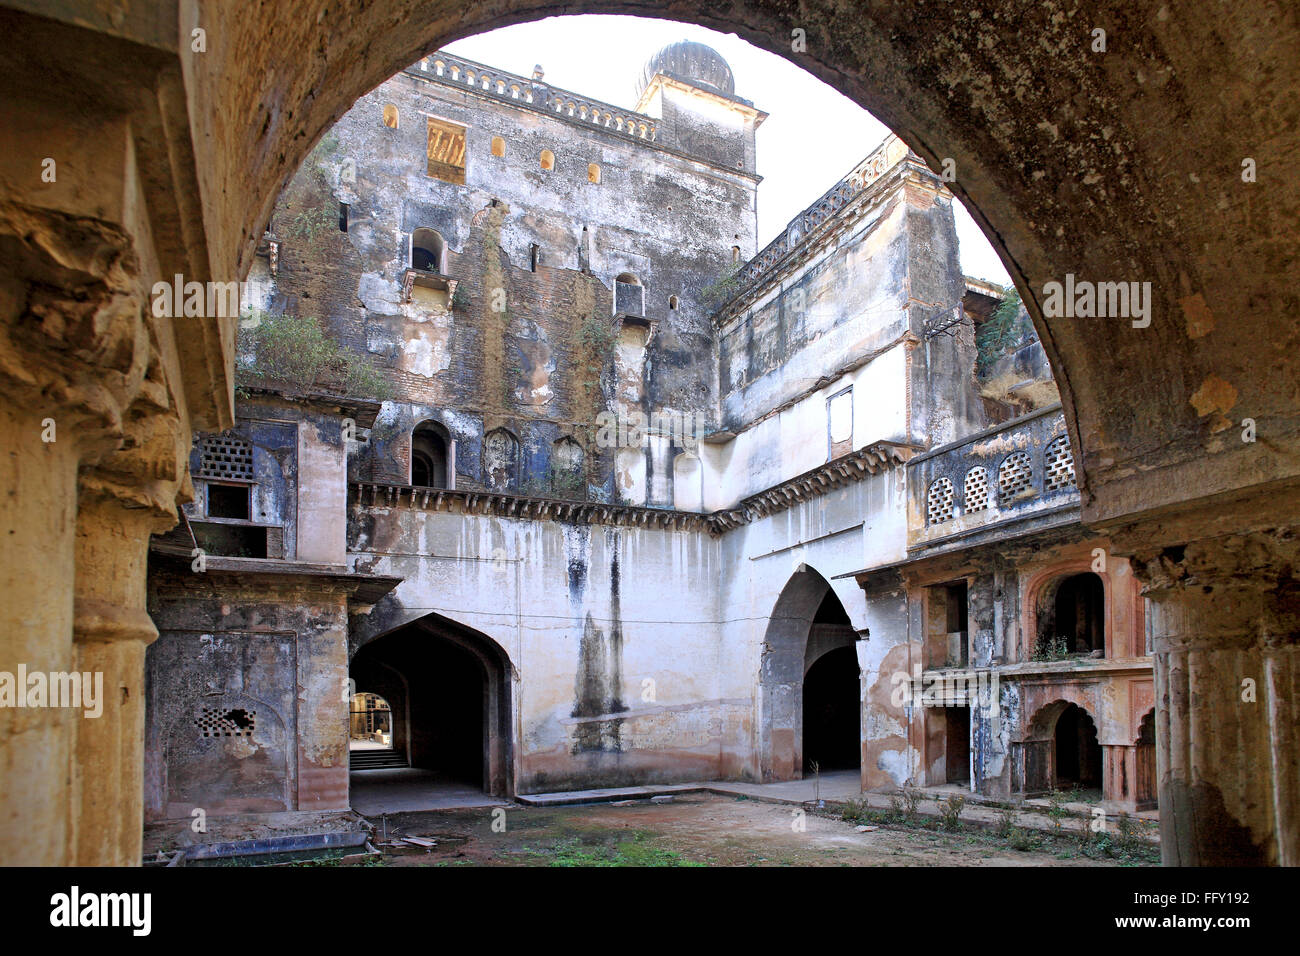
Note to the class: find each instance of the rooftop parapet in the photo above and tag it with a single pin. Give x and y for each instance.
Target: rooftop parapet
(810, 223)
(467, 74)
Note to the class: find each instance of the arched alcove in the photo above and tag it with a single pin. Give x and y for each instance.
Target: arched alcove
(430, 456)
(428, 251)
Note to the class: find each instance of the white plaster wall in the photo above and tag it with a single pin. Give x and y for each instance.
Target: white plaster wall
(322, 497)
(797, 439)
(693, 613)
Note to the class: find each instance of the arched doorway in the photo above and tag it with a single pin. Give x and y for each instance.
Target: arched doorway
(1076, 753)
(370, 734)
(1144, 760)
(1080, 613)
(809, 682)
(447, 688)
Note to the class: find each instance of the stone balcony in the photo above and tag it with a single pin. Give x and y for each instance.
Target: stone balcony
(1008, 480)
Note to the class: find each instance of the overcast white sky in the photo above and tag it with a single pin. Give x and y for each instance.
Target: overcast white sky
(811, 139)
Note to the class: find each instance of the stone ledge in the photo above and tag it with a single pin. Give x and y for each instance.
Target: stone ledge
(836, 473)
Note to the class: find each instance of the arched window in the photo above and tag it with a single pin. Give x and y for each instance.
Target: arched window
(629, 295)
(1058, 464)
(1015, 476)
(672, 302)
(593, 173)
(430, 455)
(1071, 615)
(976, 490)
(390, 116)
(428, 251)
(498, 146)
(548, 159)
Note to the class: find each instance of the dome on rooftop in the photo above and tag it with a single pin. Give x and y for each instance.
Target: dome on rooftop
(694, 62)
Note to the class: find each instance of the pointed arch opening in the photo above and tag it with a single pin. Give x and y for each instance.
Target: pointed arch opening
(448, 691)
(809, 680)
(431, 456)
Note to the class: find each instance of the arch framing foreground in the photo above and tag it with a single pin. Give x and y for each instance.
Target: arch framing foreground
(1125, 166)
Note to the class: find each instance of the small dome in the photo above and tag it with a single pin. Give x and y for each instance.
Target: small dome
(693, 62)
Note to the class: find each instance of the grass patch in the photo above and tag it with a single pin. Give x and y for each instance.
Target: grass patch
(639, 850)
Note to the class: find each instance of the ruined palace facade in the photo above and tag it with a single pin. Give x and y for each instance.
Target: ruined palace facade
(632, 486)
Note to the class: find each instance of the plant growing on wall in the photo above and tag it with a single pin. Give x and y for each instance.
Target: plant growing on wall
(557, 483)
(721, 290)
(596, 337)
(309, 224)
(1003, 330)
(1051, 649)
(296, 352)
(460, 299)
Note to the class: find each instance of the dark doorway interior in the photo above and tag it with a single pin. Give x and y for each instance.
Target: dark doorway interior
(437, 689)
(1078, 755)
(831, 726)
(957, 737)
(1080, 613)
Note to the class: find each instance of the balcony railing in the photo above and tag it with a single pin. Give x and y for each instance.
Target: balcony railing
(1019, 472)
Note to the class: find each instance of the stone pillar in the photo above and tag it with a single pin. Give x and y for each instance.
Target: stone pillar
(37, 515)
(111, 630)
(1225, 616)
(94, 437)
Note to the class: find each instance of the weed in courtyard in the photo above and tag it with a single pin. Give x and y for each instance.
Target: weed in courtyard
(950, 812)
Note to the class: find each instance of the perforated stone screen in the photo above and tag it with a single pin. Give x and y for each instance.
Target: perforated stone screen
(1014, 475)
(1058, 464)
(938, 501)
(220, 722)
(226, 456)
(976, 490)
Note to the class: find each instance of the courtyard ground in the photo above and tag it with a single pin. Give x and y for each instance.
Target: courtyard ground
(706, 829)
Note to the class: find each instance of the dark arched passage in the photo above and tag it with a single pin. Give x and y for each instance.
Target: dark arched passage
(449, 690)
(808, 624)
(1077, 754)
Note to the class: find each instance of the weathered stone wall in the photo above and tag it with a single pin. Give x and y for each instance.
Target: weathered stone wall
(528, 341)
(685, 610)
(247, 702)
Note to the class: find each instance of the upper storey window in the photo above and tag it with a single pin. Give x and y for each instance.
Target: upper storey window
(428, 251)
(629, 295)
(446, 151)
(390, 116)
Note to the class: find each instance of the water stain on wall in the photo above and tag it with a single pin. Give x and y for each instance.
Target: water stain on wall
(599, 679)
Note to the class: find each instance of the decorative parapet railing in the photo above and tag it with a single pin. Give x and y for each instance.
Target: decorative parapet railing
(367, 495)
(802, 227)
(458, 71)
(1015, 472)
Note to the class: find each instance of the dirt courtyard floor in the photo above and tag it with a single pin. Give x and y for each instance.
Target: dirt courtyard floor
(701, 829)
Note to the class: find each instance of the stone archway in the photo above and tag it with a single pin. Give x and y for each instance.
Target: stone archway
(450, 691)
(1057, 188)
(787, 645)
